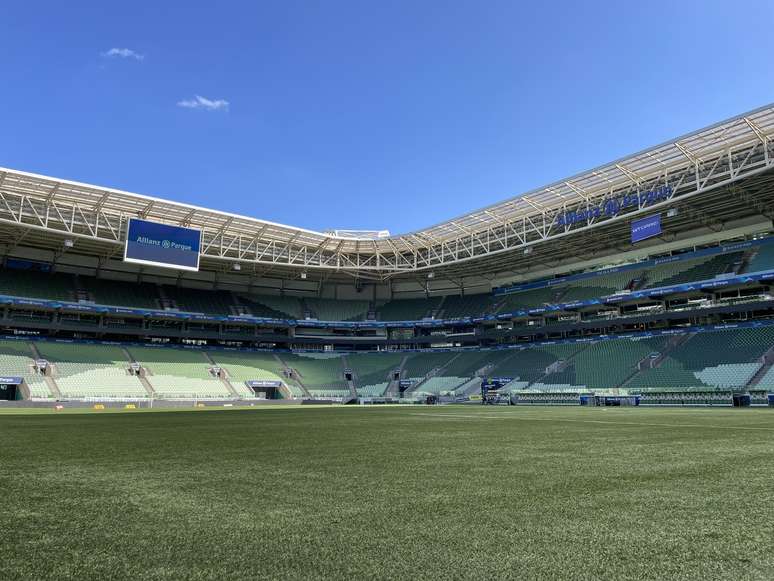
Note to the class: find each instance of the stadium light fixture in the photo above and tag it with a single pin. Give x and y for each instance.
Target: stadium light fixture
(430, 275)
(303, 276)
(237, 267)
(68, 243)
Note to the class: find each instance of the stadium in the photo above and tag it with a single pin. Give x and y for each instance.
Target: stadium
(361, 404)
(648, 277)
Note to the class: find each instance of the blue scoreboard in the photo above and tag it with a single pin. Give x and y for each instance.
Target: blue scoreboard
(162, 245)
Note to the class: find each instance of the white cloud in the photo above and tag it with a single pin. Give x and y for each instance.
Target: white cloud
(199, 102)
(124, 53)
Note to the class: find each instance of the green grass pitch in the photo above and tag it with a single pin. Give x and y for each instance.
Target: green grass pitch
(388, 493)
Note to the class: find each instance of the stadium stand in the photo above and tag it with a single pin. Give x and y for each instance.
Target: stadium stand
(333, 310)
(199, 301)
(708, 361)
(242, 366)
(91, 371)
(531, 299)
(33, 284)
(419, 365)
(122, 294)
(320, 373)
(763, 259)
(260, 308)
(606, 364)
(441, 384)
(467, 363)
(408, 309)
(372, 390)
(690, 270)
(534, 363)
(16, 360)
(373, 371)
(179, 373)
(720, 359)
(767, 381)
(454, 306)
(600, 286)
(59, 286)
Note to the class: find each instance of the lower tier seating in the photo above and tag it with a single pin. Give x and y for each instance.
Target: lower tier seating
(16, 361)
(720, 360)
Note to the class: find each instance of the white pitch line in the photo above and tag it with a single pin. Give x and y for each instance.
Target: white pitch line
(553, 419)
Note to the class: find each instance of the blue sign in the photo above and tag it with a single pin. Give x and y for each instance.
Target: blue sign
(612, 206)
(10, 380)
(162, 245)
(646, 228)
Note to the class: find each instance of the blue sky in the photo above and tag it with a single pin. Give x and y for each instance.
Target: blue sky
(352, 114)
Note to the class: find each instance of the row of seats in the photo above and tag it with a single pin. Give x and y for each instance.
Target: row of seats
(687, 398)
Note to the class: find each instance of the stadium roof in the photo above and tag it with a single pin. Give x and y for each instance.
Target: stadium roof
(705, 160)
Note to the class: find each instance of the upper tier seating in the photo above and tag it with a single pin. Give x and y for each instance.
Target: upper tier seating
(16, 361)
(333, 310)
(69, 287)
(35, 284)
(531, 299)
(455, 306)
(215, 302)
(690, 270)
(270, 307)
(119, 293)
(408, 309)
(600, 286)
(91, 371)
(763, 259)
